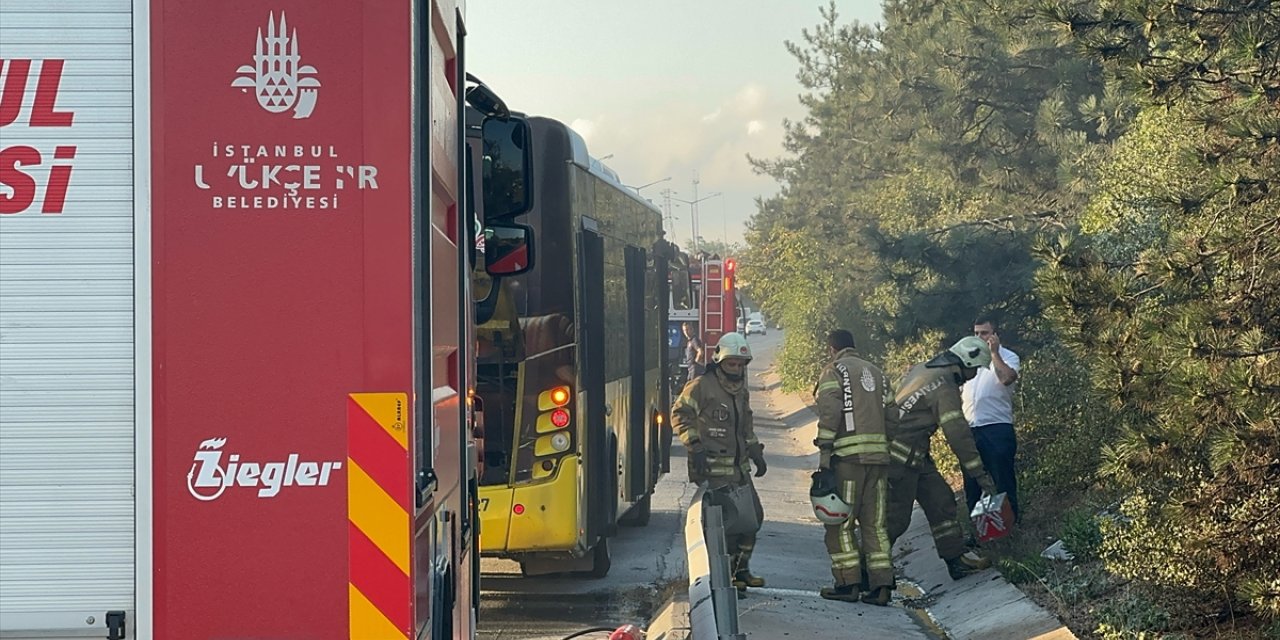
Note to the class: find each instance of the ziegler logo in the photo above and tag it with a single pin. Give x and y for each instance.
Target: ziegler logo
(275, 75)
(209, 478)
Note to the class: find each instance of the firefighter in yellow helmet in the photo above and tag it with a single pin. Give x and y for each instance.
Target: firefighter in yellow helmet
(928, 399)
(854, 400)
(713, 419)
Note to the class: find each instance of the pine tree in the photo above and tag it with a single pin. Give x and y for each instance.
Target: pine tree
(1169, 293)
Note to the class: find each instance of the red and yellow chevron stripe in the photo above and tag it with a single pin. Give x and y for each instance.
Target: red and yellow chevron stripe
(378, 508)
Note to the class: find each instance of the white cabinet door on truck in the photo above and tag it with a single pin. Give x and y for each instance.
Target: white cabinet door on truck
(67, 315)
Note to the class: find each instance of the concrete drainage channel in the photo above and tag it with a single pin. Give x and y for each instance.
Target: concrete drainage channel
(914, 603)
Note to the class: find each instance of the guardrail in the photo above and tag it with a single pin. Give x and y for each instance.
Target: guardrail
(713, 601)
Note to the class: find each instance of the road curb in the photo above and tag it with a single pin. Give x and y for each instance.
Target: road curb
(671, 622)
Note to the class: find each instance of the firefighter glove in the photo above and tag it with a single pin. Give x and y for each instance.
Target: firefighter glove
(761, 467)
(987, 484)
(757, 456)
(700, 464)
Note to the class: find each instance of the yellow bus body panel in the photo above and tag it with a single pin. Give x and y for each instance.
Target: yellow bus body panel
(549, 521)
(495, 509)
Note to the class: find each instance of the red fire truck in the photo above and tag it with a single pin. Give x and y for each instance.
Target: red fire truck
(702, 291)
(235, 320)
(718, 308)
(713, 288)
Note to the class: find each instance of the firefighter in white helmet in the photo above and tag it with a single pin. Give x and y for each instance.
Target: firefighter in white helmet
(929, 399)
(854, 403)
(713, 419)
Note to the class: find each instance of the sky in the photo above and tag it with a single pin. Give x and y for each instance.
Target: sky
(667, 87)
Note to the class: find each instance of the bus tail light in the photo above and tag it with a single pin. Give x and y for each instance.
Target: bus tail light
(553, 429)
(553, 409)
(554, 420)
(553, 398)
(560, 418)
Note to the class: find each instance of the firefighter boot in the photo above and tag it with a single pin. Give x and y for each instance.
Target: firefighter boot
(843, 592)
(742, 576)
(744, 579)
(879, 596)
(966, 564)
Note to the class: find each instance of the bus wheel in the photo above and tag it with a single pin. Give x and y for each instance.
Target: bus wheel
(601, 560)
(638, 516)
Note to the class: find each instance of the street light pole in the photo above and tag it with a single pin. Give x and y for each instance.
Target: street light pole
(693, 211)
(647, 185)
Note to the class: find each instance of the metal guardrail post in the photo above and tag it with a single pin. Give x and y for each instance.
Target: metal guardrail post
(702, 615)
(724, 596)
(713, 601)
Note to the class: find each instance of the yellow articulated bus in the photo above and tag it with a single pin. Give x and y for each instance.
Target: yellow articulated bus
(570, 362)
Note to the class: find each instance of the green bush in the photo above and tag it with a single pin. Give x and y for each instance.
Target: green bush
(1272, 632)
(1079, 584)
(1081, 534)
(1131, 617)
(1023, 569)
(1061, 423)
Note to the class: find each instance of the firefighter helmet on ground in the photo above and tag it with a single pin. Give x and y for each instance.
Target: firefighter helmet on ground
(732, 345)
(824, 496)
(974, 352)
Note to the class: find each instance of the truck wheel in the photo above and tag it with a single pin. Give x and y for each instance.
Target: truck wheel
(601, 560)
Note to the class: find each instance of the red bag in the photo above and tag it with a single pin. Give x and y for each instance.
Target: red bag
(992, 517)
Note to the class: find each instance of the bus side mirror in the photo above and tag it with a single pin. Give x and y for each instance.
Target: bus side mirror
(507, 176)
(508, 249)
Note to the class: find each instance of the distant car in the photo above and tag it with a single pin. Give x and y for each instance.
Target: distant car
(742, 324)
(756, 326)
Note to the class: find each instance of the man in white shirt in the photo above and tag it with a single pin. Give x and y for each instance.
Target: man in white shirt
(988, 406)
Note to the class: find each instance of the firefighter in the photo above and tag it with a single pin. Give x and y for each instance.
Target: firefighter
(929, 398)
(854, 400)
(712, 416)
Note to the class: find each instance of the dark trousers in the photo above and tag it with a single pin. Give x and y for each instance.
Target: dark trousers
(997, 444)
(740, 546)
(937, 499)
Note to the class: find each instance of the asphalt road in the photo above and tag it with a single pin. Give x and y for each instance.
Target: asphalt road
(647, 563)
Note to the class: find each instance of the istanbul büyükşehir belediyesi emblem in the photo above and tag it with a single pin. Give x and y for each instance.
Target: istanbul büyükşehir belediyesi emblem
(276, 76)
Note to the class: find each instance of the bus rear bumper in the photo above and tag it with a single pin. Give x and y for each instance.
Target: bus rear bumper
(532, 518)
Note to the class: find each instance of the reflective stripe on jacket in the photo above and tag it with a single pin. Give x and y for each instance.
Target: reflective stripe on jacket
(929, 398)
(854, 401)
(710, 419)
